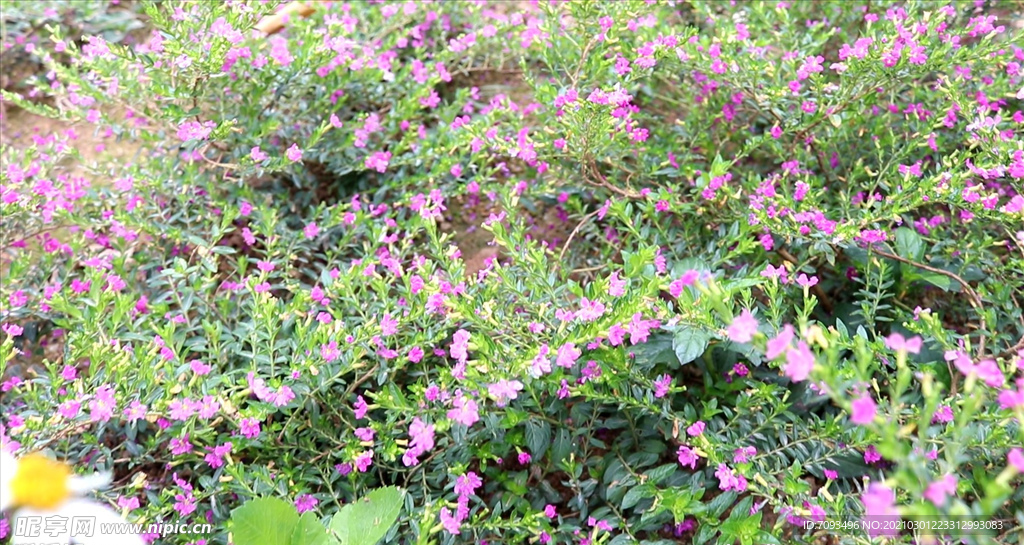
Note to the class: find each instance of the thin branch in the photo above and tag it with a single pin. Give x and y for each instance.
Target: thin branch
(572, 235)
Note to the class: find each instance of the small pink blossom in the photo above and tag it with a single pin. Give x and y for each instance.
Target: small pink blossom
(743, 328)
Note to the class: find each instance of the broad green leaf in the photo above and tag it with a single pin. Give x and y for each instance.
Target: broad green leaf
(366, 520)
(264, 521)
(309, 531)
(909, 244)
(689, 343)
(936, 280)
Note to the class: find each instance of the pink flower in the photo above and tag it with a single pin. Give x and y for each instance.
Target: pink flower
(743, 327)
(415, 354)
(806, 282)
(616, 286)
(780, 343)
(257, 155)
(250, 428)
(378, 161)
(940, 489)
(743, 455)
(127, 503)
(880, 507)
(180, 446)
(505, 390)
(200, 368)
(421, 439)
(695, 429)
(450, 523)
(215, 457)
(862, 410)
(466, 485)
(896, 342)
(311, 230)
(943, 415)
(687, 279)
(464, 411)
(799, 362)
(687, 457)
(590, 310)
(363, 461)
(460, 346)
(1015, 458)
(360, 407)
(135, 411)
(294, 154)
(988, 371)
(102, 406)
(567, 355)
(69, 409)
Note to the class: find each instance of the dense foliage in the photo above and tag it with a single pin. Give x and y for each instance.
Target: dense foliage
(748, 266)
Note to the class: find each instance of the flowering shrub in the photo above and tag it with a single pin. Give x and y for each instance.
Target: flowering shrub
(751, 267)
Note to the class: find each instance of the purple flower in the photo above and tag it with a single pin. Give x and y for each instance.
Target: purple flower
(305, 502)
(687, 457)
(662, 386)
(180, 445)
(728, 480)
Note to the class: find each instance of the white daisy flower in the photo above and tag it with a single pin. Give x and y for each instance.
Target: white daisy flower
(36, 486)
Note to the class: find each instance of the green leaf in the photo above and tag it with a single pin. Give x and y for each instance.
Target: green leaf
(309, 531)
(562, 446)
(366, 520)
(636, 494)
(538, 437)
(662, 472)
(936, 280)
(264, 521)
(766, 538)
(909, 244)
(689, 343)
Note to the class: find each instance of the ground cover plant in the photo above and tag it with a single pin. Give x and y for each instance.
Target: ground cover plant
(529, 272)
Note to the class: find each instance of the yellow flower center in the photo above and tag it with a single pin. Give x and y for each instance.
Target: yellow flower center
(40, 483)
